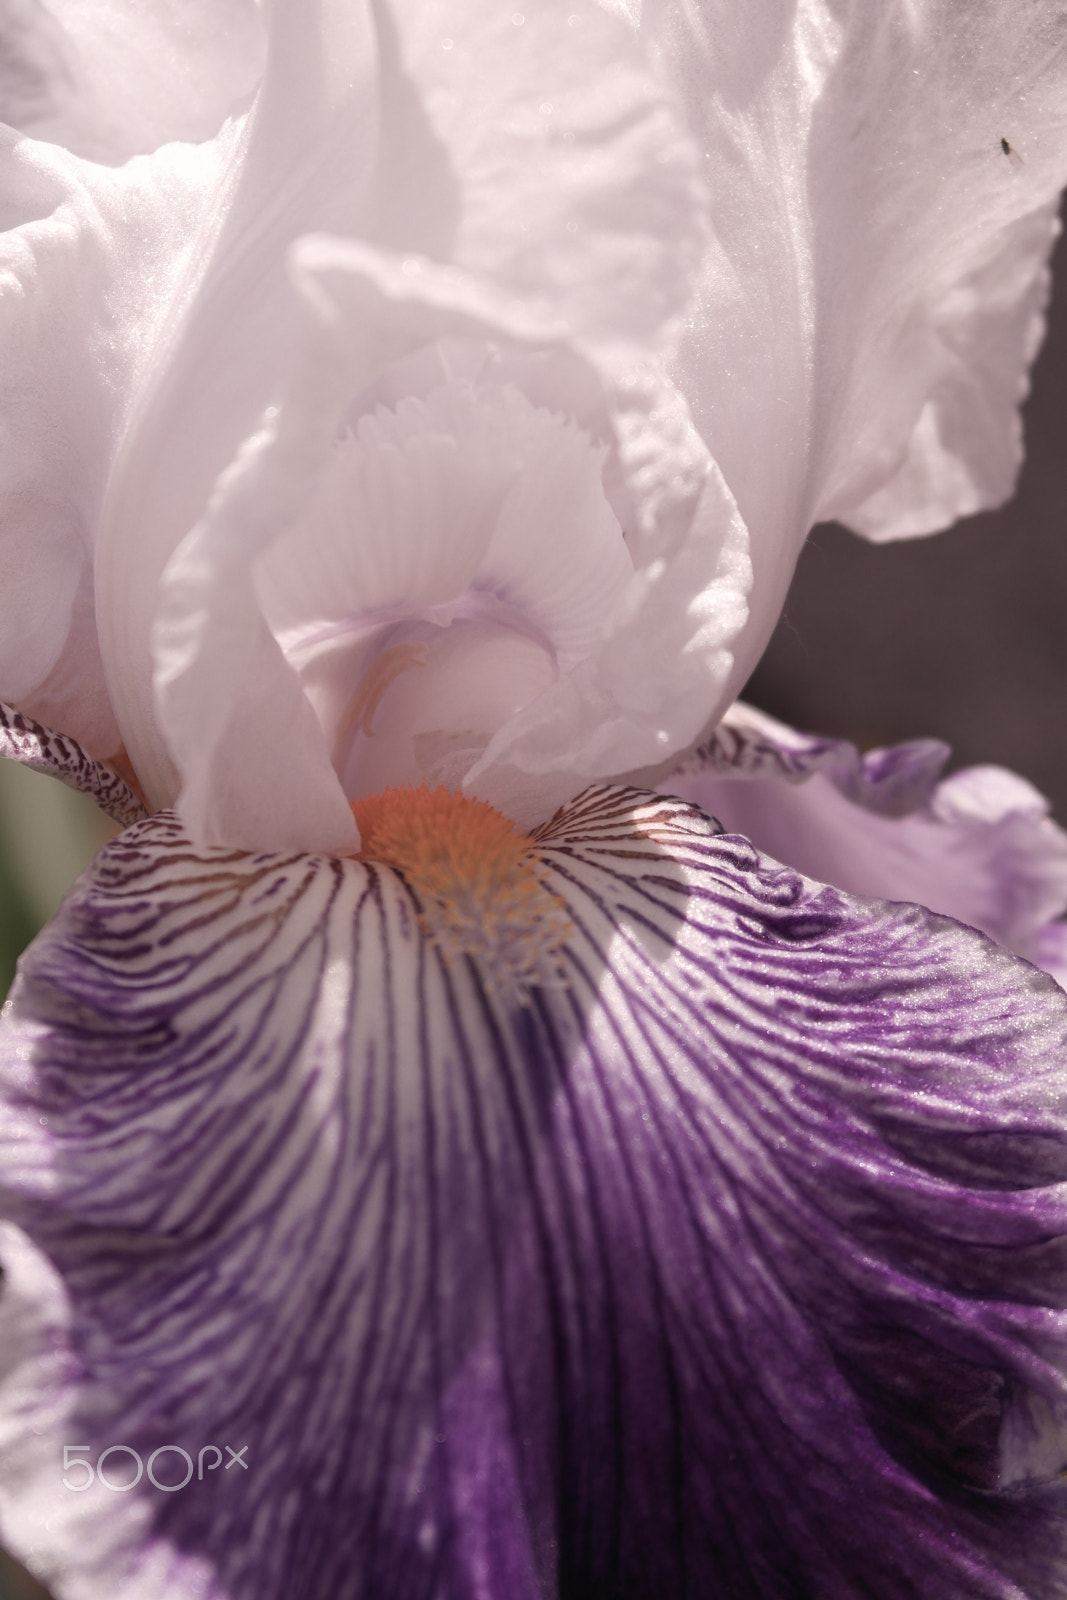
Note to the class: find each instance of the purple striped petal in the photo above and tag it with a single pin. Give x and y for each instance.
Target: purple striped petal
(26, 741)
(978, 846)
(734, 1265)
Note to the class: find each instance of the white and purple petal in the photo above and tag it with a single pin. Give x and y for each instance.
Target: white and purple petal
(735, 1264)
(978, 845)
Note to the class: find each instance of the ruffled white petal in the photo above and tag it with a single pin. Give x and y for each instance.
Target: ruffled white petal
(110, 79)
(628, 707)
(872, 297)
(978, 846)
(467, 536)
(967, 446)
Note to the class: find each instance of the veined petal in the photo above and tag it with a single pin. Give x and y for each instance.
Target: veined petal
(109, 79)
(978, 846)
(884, 183)
(734, 1263)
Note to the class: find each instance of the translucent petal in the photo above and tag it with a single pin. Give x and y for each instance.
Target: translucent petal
(109, 79)
(501, 118)
(884, 183)
(26, 741)
(89, 265)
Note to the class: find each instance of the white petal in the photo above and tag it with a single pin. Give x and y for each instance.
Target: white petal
(571, 175)
(376, 308)
(870, 303)
(467, 535)
(113, 78)
(88, 269)
(967, 444)
(645, 693)
(220, 676)
(613, 164)
(303, 164)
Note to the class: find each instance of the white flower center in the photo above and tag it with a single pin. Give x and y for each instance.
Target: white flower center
(459, 558)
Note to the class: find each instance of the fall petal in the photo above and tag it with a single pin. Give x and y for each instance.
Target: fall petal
(734, 1262)
(978, 846)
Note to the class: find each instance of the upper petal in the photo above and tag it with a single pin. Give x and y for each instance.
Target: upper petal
(884, 184)
(734, 1263)
(608, 181)
(109, 79)
(90, 262)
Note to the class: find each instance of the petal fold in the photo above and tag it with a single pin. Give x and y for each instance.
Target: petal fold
(736, 1262)
(978, 845)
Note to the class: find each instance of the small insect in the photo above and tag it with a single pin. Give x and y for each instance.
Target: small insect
(1010, 151)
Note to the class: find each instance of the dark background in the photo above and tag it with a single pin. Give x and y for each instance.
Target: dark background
(960, 636)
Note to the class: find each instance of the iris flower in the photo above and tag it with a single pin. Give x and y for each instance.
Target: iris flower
(439, 1159)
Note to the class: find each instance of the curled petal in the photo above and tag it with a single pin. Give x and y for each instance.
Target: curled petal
(885, 181)
(222, 683)
(735, 1262)
(667, 656)
(641, 694)
(978, 846)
